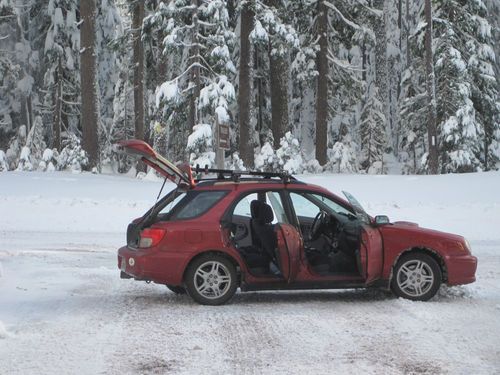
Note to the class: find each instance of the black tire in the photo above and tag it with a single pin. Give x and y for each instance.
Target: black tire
(221, 280)
(176, 289)
(416, 277)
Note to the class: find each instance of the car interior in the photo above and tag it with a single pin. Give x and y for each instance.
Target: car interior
(254, 234)
(331, 233)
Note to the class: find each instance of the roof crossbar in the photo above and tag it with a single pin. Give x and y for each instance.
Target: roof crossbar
(236, 175)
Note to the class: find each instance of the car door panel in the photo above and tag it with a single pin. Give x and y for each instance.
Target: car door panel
(282, 255)
(293, 247)
(371, 254)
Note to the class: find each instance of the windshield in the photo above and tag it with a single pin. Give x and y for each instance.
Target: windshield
(358, 209)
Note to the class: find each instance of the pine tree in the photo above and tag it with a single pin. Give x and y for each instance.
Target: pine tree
(460, 131)
(61, 57)
(200, 36)
(108, 29)
(16, 65)
(484, 86)
(10, 72)
(372, 133)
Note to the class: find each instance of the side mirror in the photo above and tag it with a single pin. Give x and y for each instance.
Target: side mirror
(382, 219)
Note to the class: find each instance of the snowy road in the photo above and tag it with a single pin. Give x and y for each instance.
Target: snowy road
(63, 309)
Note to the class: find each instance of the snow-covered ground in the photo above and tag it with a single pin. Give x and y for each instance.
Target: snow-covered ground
(64, 310)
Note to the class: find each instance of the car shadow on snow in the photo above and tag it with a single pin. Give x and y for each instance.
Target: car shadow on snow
(301, 296)
(347, 295)
(295, 296)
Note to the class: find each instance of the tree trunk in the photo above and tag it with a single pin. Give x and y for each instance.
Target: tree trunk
(138, 47)
(26, 115)
(431, 92)
(279, 96)
(88, 81)
(381, 76)
(408, 56)
(160, 140)
(245, 86)
(56, 124)
(195, 73)
(322, 85)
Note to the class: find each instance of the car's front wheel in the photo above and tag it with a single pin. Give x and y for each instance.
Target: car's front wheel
(211, 279)
(416, 277)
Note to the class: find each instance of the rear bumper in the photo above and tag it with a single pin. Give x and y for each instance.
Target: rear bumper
(461, 269)
(152, 265)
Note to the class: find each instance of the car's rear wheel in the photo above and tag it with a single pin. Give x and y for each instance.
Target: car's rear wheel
(211, 279)
(176, 289)
(416, 277)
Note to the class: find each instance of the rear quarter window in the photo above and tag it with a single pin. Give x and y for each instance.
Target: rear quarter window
(195, 203)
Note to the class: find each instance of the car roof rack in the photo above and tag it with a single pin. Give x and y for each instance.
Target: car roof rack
(223, 174)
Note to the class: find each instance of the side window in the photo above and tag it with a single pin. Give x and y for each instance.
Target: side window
(332, 204)
(308, 204)
(272, 198)
(172, 203)
(193, 204)
(303, 206)
(243, 206)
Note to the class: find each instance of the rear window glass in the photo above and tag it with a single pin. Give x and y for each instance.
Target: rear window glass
(193, 203)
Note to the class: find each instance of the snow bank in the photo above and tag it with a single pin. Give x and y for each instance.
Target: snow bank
(467, 204)
(63, 202)
(3, 332)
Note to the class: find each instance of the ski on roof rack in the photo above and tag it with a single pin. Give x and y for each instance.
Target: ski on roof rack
(236, 175)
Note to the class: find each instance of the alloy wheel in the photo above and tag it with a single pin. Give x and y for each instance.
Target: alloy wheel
(212, 279)
(415, 278)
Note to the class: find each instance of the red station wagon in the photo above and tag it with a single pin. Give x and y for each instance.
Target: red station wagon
(269, 231)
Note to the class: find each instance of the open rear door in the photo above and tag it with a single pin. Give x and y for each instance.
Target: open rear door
(182, 176)
(289, 246)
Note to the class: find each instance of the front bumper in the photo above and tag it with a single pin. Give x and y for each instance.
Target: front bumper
(461, 269)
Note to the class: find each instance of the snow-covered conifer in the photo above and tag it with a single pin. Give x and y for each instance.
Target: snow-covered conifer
(372, 132)
(199, 146)
(4, 167)
(289, 155)
(72, 156)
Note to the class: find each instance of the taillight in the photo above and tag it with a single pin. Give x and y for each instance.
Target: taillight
(151, 237)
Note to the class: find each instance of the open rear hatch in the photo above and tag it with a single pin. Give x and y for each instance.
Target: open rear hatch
(181, 176)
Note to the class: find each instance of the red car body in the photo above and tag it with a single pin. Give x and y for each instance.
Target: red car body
(181, 242)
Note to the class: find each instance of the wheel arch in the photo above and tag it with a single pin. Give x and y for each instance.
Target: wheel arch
(226, 255)
(422, 250)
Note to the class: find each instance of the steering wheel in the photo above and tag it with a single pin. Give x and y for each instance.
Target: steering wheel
(317, 225)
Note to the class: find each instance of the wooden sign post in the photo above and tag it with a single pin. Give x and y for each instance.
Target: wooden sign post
(222, 137)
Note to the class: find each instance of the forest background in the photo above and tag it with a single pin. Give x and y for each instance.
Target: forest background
(347, 86)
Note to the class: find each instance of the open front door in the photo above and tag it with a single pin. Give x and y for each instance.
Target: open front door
(180, 176)
(371, 254)
(289, 244)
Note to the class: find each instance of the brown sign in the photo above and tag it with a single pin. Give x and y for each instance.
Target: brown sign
(224, 136)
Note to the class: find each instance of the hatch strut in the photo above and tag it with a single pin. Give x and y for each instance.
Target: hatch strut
(156, 202)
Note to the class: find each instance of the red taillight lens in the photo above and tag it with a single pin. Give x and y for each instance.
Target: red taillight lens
(151, 237)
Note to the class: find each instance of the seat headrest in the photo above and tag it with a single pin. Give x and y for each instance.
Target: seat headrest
(254, 208)
(266, 213)
(261, 211)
